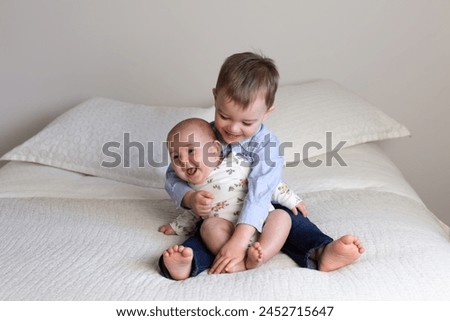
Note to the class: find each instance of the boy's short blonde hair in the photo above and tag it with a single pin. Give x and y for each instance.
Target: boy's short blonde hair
(244, 75)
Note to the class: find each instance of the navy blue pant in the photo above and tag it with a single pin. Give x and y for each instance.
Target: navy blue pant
(303, 239)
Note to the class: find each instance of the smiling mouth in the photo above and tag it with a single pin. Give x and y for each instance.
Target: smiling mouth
(191, 171)
(232, 135)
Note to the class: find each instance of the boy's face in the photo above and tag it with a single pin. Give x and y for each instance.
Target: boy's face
(193, 155)
(236, 124)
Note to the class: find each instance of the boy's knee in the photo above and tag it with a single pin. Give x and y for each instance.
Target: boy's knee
(280, 214)
(280, 217)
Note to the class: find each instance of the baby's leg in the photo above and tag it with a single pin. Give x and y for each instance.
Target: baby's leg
(273, 236)
(216, 232)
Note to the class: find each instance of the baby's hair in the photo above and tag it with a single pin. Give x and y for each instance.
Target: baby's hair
(196, 124)
(244, 75)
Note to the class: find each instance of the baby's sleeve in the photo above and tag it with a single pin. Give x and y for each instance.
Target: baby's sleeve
(185, 223)
(285, 196)
(175, 187)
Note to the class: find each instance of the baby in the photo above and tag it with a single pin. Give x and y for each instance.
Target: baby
(196, 158)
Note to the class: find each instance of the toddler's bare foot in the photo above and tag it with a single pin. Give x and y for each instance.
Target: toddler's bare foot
(178, 261)
(340, 253)
(254, 256)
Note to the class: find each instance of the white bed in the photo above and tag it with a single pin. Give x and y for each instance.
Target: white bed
(72, 230)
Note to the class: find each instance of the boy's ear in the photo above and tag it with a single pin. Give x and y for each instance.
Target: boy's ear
(214, 92)
(269, 111)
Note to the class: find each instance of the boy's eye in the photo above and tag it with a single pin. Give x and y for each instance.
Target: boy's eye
(223, 117)
(247, 124)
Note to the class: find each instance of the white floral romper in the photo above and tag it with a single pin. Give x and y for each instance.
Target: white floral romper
(228, 183)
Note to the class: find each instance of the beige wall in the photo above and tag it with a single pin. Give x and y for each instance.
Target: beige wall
(56, 53)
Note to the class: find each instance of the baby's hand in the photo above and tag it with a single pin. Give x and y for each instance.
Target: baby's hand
(200, 202)
(300, 206)
(167, 229)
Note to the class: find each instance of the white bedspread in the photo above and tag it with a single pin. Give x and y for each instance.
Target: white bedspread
(66, 236)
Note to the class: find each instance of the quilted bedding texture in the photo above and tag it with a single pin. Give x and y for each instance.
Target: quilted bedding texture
(87, 249)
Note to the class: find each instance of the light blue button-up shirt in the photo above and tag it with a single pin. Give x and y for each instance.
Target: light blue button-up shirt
(262, 151)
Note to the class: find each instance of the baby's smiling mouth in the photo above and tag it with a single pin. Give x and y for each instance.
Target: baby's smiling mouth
(191, 171)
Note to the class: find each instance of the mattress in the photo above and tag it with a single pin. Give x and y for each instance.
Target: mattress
(70, 236)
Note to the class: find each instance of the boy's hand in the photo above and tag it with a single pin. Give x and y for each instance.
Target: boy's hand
(200, 202)
(233, 251)
(300, 206)
(229, 255)
(167, 229)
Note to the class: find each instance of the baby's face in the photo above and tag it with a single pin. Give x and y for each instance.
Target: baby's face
(193, 155)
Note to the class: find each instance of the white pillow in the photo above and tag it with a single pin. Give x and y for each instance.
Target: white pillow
(113, 139)
(76, 140)
(306, 112)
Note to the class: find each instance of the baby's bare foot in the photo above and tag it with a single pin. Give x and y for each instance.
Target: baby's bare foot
(178, 261)
(340, 253)
(254, 256)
